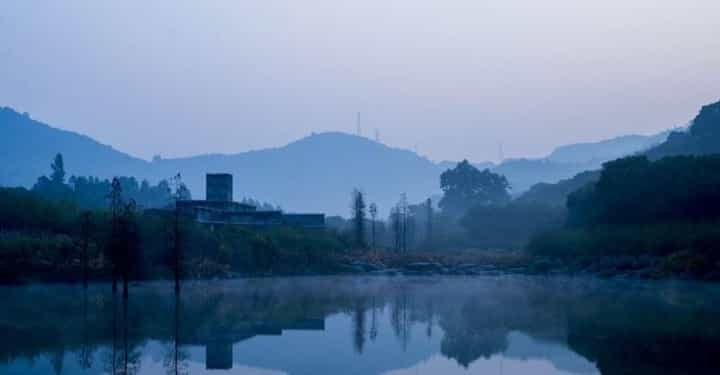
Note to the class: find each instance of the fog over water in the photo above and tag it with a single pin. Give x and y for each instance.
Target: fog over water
(361, 325)
(453, 79)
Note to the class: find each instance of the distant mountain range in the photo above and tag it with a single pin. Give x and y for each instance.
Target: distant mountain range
(315, 173)
(701, 137)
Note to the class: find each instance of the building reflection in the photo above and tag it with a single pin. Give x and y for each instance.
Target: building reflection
(620, 331)
(219, 341)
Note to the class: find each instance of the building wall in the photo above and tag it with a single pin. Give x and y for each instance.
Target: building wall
(219, 187)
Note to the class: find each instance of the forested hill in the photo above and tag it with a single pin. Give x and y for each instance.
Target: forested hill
(701, 138)
(27, 147)
(315, 173)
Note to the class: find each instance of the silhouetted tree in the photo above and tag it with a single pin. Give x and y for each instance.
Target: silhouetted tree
(116, 206)
(465, 186)
(54, 187)
(130, 243)
(373, 216)
(403, 210)
(358, 215)
(58, 170)
(396, 227)
(429, 222)
(180, 193)
(86, 222)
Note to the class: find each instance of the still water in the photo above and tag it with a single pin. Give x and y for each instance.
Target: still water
(358, 325)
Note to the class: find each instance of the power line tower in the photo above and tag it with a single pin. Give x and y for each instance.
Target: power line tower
(359, 128)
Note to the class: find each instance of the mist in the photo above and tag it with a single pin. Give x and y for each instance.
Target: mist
(179, 79)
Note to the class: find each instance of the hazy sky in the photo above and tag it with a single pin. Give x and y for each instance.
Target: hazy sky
(453, 78)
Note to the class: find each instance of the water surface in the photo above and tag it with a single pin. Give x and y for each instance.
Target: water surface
(358, 325)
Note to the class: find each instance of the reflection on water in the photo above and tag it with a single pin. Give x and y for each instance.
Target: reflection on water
(344, 325)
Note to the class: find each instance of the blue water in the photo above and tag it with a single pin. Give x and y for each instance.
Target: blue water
(358, 325)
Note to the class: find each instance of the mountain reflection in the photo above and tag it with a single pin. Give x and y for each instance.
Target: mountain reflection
(365, 326)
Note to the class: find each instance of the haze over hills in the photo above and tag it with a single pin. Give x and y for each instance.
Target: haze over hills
(701, 137)
(27, 147)
(315, 173)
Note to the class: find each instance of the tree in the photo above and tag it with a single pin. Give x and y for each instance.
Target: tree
(396, 227)
(116, 205)
(180, 193)
(373, 216)
(403, 210)
(86, 222)
(428, 224)
(465, 186)
(54, 187)
(129, 236)
(358, 215)
(58, 170)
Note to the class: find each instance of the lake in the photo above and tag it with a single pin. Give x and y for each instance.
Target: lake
(365, 325)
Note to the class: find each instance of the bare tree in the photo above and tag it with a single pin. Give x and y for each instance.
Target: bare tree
(373, 216)
(180, 192)
(396, 226)
(85, 223)
(358, 214)
(130, 245)
(429, 223)
(403, 210)
(116, 203)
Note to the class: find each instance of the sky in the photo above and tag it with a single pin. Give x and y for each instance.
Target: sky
(451, 79)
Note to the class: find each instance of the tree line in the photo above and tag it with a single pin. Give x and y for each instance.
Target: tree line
(53, 237)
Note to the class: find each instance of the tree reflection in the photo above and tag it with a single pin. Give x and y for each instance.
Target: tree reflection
(175, 358)
(123, 357)
(85, 355)
(358, 318)
(622, 330)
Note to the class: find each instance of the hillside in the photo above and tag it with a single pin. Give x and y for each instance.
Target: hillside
(566, 161)
(28, 146)
(701, 138)
(315, 173)
(607, 149)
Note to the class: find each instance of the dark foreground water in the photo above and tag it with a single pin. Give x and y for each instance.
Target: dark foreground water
(346, 325)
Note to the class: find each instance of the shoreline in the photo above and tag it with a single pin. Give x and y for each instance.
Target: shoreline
(465, 263)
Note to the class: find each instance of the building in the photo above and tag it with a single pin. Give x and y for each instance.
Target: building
(219, 187)
(219, 209)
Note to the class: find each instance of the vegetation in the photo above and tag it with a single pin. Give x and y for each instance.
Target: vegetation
(465, 186)
(45, 234)
(669, 207)
(358, 217)
(91, 192)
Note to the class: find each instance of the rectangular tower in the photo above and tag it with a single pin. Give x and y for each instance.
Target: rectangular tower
(219, 187)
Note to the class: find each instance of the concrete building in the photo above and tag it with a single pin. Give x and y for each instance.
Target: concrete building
(220, 209)
(219, 187)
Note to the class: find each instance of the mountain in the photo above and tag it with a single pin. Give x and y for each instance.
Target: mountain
(556, 194)
(702, 137)
(28, 146)
(606, 150)
(316, 173)
(566, 161)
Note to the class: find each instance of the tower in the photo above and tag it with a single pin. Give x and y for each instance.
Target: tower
(219, 187)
